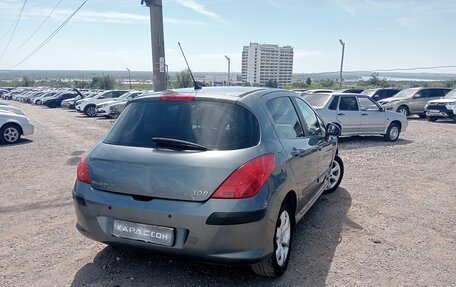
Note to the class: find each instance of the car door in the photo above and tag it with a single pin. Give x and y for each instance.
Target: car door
(372, 116)
(301, 156)
(315, 130)
(419, 100)
(348, 115)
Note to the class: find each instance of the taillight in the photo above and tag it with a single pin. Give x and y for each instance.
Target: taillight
(83, 171)
(247, 180)
(177, 98)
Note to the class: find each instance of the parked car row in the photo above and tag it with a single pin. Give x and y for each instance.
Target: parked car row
(382, 111)
(90, 102)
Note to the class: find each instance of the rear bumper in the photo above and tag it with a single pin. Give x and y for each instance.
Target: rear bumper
(213, 231)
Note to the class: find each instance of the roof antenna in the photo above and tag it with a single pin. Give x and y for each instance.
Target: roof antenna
(196, 85)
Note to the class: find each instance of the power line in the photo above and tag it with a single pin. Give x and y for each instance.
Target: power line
(9, 30)
(39, 27)
(50, 36)
(14, 30)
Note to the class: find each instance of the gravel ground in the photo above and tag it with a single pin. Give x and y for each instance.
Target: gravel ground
(391, 223)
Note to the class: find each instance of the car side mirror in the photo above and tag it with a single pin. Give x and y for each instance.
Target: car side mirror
(333, 130)
(417, 96)
(101, 97)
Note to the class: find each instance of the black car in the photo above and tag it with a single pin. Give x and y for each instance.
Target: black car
(380, 94)
(56, 100)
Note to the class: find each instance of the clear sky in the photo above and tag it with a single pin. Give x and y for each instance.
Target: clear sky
(114, 34)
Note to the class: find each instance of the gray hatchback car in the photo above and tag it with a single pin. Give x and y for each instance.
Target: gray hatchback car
(218, 174)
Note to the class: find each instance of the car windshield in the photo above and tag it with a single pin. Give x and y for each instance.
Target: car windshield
(213, 125)
(126, 95)
(369, 92)
(317, 100)
(451, 95)
(407, 93)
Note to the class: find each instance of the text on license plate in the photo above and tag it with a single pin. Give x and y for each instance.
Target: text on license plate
(143, 232)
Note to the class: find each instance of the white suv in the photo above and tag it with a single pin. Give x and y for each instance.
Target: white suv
(88, 105)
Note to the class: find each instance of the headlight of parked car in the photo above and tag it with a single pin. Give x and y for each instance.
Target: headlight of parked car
(114, 107)
(101, 106)
(451, 105)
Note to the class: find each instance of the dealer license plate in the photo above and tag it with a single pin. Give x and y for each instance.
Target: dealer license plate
(143, 232)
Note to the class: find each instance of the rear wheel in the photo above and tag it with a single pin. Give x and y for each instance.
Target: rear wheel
(276, 264)
(393, 132)
(335, 175)
(431, 119)
(10, 134)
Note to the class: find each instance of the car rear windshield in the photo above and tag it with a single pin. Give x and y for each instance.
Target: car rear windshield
(214, 125)
(317, 100)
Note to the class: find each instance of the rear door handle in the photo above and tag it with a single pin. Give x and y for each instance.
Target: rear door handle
(341, 114)
(364, 114)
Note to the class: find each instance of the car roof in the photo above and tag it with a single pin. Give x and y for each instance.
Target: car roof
(226, 92)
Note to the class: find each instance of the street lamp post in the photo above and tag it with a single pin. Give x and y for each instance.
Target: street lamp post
(341, 62)
(129, 77)
(229, 68)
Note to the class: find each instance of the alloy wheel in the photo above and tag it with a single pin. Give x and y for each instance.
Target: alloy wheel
(91, 111)
(11, 135)
(334, 175)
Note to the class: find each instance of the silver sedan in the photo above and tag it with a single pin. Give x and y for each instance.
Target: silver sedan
(358, 115)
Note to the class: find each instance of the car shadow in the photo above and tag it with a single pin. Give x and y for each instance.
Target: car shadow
(315, 241)
(22, 141)
(358, 142)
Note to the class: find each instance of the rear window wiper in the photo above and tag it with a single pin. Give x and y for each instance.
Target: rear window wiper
(177, 144)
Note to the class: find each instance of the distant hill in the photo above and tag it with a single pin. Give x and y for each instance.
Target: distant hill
(147, 75)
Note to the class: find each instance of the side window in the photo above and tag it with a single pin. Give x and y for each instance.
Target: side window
(390, 93)
(284, 117)
(348, 104)
(334, 103)
(425, 94)
(313, 125)
(439, 93)
(367, 105)
(108, 95)
(118, 94)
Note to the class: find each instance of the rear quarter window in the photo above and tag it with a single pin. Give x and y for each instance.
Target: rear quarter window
(215, 125)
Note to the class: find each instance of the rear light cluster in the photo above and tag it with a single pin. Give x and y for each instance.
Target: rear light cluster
(247, 180)
(83, 171)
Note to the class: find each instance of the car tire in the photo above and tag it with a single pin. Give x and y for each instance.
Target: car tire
(403, 110)
(10, 134)
(38, 102)
(393, 132)
(276, 264)
(431, 119)
(90, 111)
(422, 116)
(335, 175)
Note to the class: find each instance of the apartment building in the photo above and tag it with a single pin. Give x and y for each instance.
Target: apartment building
(264, 62)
